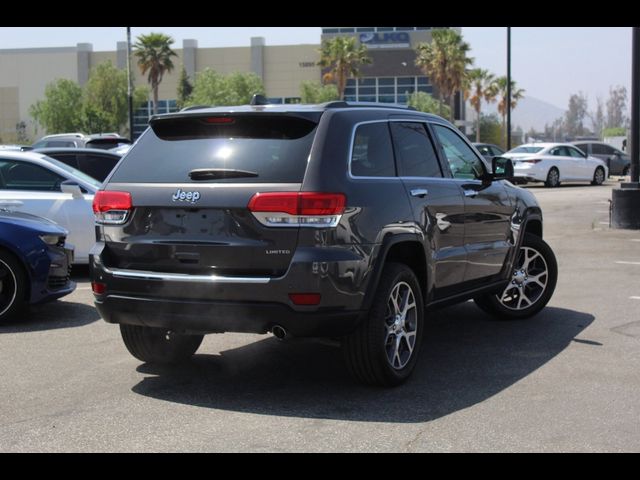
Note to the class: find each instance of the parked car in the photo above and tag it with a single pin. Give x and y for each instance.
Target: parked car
(46, 187)
(94, 162)
(35, 262)
(103, 141)
(227, 220)
(619, 163)
(554, 163)
(488, 150)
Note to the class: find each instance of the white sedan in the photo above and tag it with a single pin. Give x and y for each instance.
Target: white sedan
(34, 183)
(553, 163)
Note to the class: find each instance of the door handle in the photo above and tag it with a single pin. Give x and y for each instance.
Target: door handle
(419, 192)
(470, 193)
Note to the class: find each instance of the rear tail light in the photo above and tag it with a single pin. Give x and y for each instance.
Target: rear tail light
(297, 209)
(98, 288)
(111, 208)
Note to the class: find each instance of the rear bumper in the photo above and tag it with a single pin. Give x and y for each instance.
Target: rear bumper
(210, 304)
(219, 317)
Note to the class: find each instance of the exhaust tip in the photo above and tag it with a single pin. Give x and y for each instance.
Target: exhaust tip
(279, 332)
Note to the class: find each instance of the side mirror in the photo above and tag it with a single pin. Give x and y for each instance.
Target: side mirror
(502, 168)
(69, 186)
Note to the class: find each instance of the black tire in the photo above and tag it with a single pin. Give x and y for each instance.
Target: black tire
(553, 178)
(379, 352)
(626, 170)
(158, 345)
(598, 176)
(13, 287)
(509, 305)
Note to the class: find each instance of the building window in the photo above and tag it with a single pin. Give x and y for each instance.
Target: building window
(385, 89)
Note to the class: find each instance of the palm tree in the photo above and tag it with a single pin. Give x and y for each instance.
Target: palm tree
(342, 57)
(444, 61)
(480, 88)
(154, 56)
(499, 87)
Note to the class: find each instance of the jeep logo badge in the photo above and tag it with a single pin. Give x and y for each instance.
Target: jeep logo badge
(182, 196)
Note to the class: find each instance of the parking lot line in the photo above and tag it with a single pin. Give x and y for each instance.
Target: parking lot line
(634, 298)
(627, 263)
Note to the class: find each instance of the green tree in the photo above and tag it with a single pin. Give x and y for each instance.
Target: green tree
(479, 83)
(500, 89)
(184, 89)
(315, 92)
(343, 58)
(444, 60)
(61, 109)
(212, 88)
(105, 106)
(576, 114)
(490, 130)
(423, 102)
(154, 53)
(616, 107)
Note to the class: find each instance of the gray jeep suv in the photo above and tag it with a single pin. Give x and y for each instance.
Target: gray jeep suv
(338, 220)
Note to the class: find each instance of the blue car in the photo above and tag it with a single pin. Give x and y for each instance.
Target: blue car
(35, 262)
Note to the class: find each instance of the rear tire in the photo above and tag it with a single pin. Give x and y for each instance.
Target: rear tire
(159, 345)
(13, 287)
(384, 349)
(532, 283)
(598, 176)
(553, 178)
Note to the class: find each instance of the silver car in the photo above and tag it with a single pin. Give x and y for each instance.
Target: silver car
(619, 163)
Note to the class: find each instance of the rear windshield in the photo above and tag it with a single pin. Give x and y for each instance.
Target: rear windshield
(274, 147)
(526, 150)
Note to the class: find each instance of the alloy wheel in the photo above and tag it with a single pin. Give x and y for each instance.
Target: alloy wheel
(528, 281)
(401, 323)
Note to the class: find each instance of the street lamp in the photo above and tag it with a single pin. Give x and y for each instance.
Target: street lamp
(508, 88)
(129, 81)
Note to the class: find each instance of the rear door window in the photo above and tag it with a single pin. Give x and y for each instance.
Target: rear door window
(372, 154)
(275, 148)
(97, 166)
(415, 151)
(17, 175)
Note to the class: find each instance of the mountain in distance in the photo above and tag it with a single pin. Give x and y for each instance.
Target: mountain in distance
(530, 112)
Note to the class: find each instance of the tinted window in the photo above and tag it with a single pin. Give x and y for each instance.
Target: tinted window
(66, 158)
(414, 150)
(372, 154)
(574, 152)
(462, 160)
(26, 176)
(98, 166)
(60, 144)
(496, 151)
(275, 147)
(583, 147)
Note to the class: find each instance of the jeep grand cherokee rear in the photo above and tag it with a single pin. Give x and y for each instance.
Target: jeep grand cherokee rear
(325, 221)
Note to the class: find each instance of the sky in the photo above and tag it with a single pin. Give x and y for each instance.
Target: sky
(550, 63)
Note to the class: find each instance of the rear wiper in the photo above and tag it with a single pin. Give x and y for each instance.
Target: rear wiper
(216, 173)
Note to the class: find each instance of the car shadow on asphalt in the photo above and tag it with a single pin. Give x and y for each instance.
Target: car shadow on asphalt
(467, 357)
(51, 316)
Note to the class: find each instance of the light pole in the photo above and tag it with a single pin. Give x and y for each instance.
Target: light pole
(625, 201)
(508, 88)
(129, 82)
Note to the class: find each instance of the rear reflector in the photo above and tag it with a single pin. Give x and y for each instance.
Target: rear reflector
(308, 209)
(98, 288)
(111, 207)
(305, 298)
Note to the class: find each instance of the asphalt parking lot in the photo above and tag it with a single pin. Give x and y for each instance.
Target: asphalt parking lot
(567, 380)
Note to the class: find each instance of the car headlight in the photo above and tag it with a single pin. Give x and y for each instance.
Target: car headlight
(53, 239)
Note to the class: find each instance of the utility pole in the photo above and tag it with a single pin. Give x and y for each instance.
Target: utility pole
(625, 201)
(129, 83)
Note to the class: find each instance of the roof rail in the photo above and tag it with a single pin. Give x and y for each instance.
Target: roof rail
(344, 104)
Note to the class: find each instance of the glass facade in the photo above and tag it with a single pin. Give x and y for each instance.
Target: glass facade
(141, 116)
(372, 29)
(385, 89)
